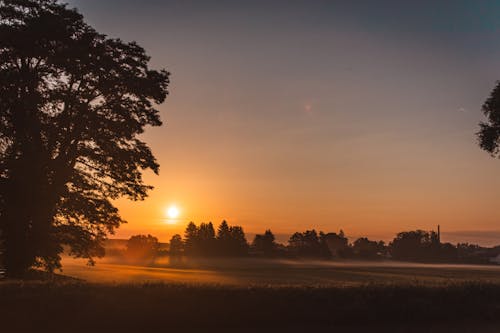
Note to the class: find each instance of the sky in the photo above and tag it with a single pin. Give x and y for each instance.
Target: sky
(293, 115)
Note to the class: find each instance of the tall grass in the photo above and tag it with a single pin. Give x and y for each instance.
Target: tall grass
(78, 307)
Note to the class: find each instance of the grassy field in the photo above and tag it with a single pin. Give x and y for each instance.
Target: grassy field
(256, 295)
(258, 272)
(77, 307)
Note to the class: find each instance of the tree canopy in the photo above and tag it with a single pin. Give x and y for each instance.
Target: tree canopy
(72, 105)
(489, 134)
(265, 244)
(203, 241)
(142, 247)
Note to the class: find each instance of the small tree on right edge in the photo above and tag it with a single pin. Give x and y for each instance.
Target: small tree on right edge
(489, 134)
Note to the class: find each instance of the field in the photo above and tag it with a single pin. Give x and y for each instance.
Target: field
(256, 295)
(278, 273)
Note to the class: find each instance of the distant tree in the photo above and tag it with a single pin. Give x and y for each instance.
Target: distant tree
(342, 234)
(223, 238)
(448, 252)
(143, 248)
(238, 241)
(191, 243)
(203, 241)
(265, 244)
(306, 244)
(367, 249)
(206, 239)
(416, 245)
(489, 133)
(231, 240)
(73, 104)
(337, 245)
(176, 245)
(470, 253)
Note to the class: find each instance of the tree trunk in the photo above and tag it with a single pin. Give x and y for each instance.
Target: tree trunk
(20, 202)
(17, 258)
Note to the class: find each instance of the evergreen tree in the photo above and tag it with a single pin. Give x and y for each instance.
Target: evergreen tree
(265, 244)
(191, 236)
(206, 239)
(306, 244)
(238, 241)
(223, 238)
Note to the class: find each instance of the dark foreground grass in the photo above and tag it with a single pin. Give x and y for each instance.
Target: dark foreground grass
(81, 307)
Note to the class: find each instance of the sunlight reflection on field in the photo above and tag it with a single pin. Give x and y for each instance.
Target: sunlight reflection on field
(277, 272)
(120, 273)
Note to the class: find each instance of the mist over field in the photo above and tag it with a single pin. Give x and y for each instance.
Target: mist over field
(276, 272)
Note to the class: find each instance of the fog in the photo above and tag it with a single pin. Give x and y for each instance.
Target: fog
(274, 272)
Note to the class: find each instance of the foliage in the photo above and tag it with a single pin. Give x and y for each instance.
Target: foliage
(415, 245)
(237, 244)
(206, 242)
(176, 245)
(489, 133)
(142, 248)
(337, 245)
(265, 244)
(72, 105)
(191, 238)
(418, 245)
(306, 244)
(367, 249)
(202, 240)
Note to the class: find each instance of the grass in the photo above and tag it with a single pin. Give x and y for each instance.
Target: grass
(82, 307)
(244, 272)
(256, 295)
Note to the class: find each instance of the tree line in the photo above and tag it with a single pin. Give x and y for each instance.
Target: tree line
(230, 241)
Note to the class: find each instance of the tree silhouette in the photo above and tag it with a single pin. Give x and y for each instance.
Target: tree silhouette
(416, 245)
(337, 245)
(238, 242)
(306, 244)
(72, 105)
(265, 244)
(206, 239)
(142, 248)
(231, 240)
(223, 238)
(191, 239)
(489, 134)
(176, 245)
(367, 249)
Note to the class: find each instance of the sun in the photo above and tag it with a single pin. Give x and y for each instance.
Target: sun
(173, 212)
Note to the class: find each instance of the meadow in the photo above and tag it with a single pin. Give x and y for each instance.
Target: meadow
(248, 295)
(278, 272)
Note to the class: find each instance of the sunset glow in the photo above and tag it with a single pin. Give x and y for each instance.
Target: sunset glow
(320, 117)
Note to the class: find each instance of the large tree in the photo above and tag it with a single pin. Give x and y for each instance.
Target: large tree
(72, 105)
(489, 134)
